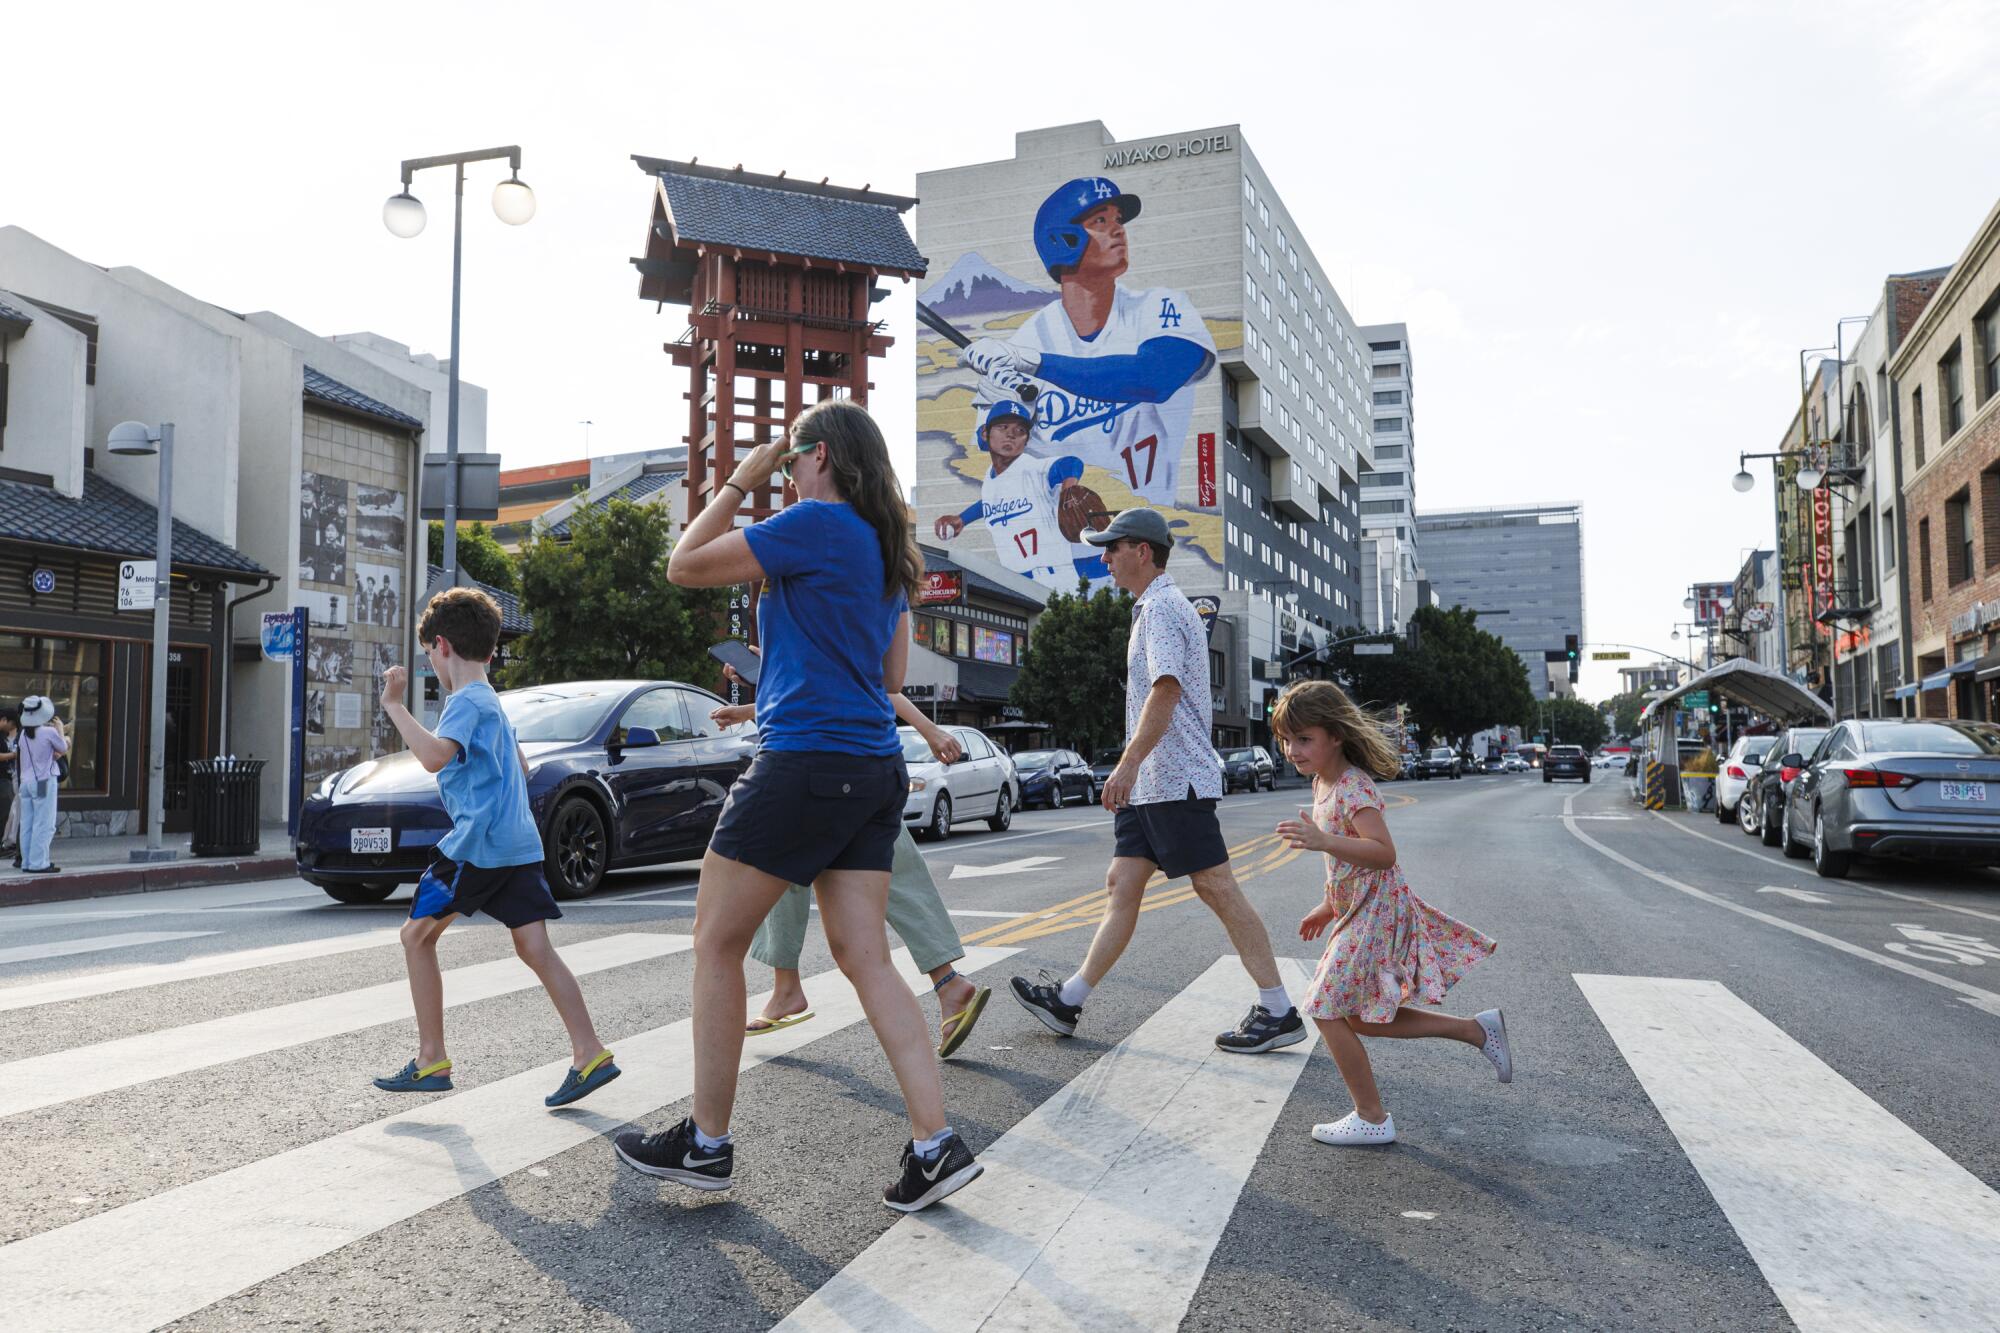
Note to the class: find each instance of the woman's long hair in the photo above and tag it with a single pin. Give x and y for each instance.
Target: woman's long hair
(859, 457)
(1363, 737)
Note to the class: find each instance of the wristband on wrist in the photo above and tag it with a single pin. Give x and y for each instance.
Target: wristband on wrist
(741, 489)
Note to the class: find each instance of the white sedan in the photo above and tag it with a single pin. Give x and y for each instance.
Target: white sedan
(982, 785)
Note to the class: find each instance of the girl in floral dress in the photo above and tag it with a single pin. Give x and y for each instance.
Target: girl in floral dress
(1388, 949)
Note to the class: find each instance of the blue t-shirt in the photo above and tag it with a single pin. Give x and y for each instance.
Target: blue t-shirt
(826, 625)
(484, 791)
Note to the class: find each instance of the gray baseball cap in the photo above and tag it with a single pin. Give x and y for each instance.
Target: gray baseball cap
(1146, 525)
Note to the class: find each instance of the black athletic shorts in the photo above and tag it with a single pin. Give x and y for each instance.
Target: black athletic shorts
(1180, 837)
(796, 813)
(512, 895)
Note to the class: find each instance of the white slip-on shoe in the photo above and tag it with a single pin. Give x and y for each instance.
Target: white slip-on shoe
(1353, 1131)
(1495, 1049)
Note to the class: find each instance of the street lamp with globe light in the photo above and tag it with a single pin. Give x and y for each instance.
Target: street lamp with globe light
(135, 439)
(403, 214)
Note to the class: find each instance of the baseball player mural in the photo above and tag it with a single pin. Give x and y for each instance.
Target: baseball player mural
(1095, 378)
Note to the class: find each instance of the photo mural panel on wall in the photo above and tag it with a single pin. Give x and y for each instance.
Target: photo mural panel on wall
(1082, 377)
(323, 514)
(381, 520)
(378, 595)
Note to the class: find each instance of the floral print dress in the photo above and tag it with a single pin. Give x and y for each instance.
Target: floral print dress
(1387, 947)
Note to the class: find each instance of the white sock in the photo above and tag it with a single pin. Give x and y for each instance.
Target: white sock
(1074, 991)
(1276, 1003)
(929, 1148)
(705, 1143)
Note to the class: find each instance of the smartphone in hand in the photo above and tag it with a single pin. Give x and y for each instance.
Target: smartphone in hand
(736, 653)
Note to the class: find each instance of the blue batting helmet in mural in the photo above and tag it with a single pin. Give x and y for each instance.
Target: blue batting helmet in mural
(1058, 239)
(1003, 410)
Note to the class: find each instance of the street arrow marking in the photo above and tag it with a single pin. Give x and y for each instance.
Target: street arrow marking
(1803, 895)
(1026, 863)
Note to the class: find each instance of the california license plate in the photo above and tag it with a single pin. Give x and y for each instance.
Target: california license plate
(375, 841)
(1962, 791)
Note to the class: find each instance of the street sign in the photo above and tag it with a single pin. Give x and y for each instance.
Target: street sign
(43, 581)
(136, 580)
(279, 636)
(1373, 649)
(1611, 657)
(1695, 700)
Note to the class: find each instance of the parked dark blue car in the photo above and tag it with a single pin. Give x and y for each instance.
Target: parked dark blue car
(1054, 778)
(620, 773)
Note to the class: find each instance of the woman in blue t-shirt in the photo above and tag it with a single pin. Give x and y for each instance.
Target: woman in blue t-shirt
(822, 803)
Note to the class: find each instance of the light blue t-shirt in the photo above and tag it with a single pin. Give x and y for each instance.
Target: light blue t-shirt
(484, 791)
(826, 623)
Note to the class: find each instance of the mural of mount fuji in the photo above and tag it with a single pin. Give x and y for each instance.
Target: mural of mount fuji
(975, 287)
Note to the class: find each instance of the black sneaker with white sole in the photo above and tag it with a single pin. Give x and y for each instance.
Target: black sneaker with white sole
(1260, 1031)
(1043, 999)
(922, 1183)
(675, 1155)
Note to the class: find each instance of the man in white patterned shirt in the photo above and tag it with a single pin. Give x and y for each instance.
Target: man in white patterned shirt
(1164, 792)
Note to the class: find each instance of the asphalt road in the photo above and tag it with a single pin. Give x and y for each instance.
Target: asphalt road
(206, 1151)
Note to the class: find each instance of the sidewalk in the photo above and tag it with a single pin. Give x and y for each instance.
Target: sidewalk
(101, 867)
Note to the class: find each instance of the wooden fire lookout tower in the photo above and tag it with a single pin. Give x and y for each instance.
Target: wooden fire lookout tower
(778, 276)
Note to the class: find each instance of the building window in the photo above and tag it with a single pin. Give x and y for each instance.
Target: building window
(1385, 347)
(1888, 541)
(1388, 451)
(1917, 424)
(1263, 213)
(1986, 325)
(1958, 537)
(1388, 398)
(1951, 390)
(1250, 237)
(1859, 432)
(72, 673)
(1388, 425)
(1989, 512)
(1389, 370)
(1864, 562)
(1924, 556)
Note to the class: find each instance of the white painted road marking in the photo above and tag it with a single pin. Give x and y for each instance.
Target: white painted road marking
(129, 1268)
(1985, 1000)
(1102, 1207)
(1803, 895)
(85, 1071)
(209, 965)
(1944, 946)
(1856, 1221)
(1020, 867)
(165, 902)
(28, 953)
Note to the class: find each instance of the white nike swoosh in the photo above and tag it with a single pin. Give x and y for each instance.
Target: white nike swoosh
(932, 1174)
(689, 1161)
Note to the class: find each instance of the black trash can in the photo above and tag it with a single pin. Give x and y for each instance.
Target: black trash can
(225, 800)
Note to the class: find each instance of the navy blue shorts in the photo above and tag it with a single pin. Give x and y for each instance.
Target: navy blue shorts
(796, 813)
(512, 895)
(1180, 837)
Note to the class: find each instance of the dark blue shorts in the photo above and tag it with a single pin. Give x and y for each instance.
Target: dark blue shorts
(512, 895)
(1180, 837)
(796, 813)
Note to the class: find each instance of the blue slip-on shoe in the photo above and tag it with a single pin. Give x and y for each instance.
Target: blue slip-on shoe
(580, 1083)
(431, 1078)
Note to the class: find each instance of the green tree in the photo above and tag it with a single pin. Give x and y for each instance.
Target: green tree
(1074, 677)
(1574, 722)
(603, 608)
(1455, 680)
(479, 554)
(1625, 709)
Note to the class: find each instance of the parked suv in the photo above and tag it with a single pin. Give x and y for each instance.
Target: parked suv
(1566, 761)
(1760, 809)
(1248, 767)
(1439, 763)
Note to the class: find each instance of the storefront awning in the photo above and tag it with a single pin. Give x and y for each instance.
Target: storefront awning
(1770, 692)
(1905, 691)
(1938, 679)
(1987, 667)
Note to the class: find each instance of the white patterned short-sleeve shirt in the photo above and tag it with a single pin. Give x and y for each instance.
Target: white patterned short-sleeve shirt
(1168, 640)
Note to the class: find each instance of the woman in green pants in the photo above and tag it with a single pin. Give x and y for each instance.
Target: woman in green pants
(916, 913)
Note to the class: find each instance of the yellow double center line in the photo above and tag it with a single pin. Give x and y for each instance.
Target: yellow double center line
(1088, 909)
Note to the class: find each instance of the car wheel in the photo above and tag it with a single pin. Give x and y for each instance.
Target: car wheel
(1829, 863)
(1771, 823)
(1796, 851)
(578, 850)
(940, 828)
(1003, 814)
(1746, 814)
(359, 894)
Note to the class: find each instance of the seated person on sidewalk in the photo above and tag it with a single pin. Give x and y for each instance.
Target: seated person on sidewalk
(491, 861)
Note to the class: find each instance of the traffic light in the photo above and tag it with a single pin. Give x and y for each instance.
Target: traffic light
(1569, 651)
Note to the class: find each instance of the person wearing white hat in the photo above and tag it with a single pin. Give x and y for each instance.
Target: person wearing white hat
(41, 743)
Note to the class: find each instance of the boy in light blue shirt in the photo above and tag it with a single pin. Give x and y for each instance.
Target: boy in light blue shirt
(491, 861)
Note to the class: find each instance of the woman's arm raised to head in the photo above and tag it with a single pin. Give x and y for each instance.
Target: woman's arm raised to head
(722, 559)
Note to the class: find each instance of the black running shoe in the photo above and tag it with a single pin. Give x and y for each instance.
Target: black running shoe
(1259, 1032)
(923, 1183)
(674, 1155)
(1043, 999)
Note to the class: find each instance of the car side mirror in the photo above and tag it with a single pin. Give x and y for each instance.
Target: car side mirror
(638, 737)
(1792, 761)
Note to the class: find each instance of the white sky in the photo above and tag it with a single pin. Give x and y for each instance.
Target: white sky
(1610, 233)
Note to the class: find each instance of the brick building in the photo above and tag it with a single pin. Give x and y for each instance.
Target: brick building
(1947, 378)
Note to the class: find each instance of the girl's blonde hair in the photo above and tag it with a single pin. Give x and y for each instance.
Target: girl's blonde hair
(1365, 739)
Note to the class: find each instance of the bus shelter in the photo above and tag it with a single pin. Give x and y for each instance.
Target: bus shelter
(1739, 680)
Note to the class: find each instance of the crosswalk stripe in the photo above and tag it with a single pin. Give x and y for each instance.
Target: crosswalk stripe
(209, 965)
(1102, 1208)
(1855, 1219)
(85, 1071)
(129, 1268)
(165, 902)
(28, 953)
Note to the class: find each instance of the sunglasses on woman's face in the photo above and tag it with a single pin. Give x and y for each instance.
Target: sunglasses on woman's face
(792, 456)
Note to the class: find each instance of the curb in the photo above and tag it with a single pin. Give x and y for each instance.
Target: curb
(18, 890)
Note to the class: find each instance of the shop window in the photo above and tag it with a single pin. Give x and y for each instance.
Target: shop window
(72, 672)
(962, 637)
(921, 631)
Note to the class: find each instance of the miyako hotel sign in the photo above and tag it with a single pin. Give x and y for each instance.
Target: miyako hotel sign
(1167, 149)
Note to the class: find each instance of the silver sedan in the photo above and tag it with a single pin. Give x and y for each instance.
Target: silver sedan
(1919, 789)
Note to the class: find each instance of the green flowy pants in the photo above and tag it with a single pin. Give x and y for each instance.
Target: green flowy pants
(916, 913)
